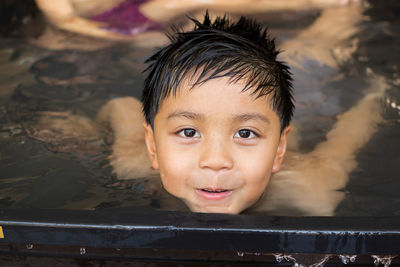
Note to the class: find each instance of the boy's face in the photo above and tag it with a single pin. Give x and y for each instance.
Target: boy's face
(216, 147)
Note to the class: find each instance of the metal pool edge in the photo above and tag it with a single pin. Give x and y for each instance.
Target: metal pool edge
(179, 231)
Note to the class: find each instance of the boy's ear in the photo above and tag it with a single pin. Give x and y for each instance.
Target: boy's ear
(151, 145)
(281, 150)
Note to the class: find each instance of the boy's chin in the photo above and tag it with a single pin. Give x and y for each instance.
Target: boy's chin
(214, 209)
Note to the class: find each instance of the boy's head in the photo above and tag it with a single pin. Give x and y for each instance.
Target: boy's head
(217, 105)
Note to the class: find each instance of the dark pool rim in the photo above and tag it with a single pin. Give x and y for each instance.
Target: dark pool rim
(138, 229)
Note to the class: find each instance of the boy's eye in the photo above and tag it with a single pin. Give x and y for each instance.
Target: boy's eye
(189, 133)
(245, 133)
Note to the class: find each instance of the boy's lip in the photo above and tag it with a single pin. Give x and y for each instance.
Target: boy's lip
(213, 194)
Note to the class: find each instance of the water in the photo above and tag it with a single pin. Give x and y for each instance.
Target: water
(41, 168)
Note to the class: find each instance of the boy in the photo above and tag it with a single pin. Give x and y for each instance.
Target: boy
(217, 105)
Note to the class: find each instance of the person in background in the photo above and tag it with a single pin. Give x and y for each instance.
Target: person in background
(126, 19)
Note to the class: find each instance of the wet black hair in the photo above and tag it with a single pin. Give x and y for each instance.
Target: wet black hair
(242, 50)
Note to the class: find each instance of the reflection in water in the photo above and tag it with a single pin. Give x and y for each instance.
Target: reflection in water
(312, 175)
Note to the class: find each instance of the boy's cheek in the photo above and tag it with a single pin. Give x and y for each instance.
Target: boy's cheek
(258, 168)
(175, 186)
(174, 171)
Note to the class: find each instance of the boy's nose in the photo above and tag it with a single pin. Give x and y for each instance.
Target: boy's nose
(216, 156)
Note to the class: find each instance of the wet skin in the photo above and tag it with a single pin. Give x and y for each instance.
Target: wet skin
(215, 146)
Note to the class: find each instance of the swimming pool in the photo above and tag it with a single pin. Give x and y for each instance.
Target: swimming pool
(51, 178)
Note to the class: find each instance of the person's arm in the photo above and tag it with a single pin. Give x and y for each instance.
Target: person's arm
(309, 183)
(164, 10)
(61, 13)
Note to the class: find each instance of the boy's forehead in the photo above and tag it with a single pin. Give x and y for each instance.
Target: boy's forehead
(217, 93)
(190, 84)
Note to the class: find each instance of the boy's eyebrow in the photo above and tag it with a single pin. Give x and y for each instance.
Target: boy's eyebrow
(186, 114)
(251, 116)
(198, 116)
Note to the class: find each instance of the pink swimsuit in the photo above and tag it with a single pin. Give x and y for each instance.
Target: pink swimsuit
(126, 19)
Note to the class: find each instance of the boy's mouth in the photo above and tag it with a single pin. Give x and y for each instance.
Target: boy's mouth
(213, 194)
(214, 190)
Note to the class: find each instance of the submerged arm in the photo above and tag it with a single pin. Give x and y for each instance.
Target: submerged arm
(309, 183)
(129, 157)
